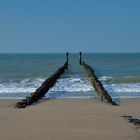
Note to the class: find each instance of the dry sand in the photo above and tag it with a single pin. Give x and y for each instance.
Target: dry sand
(68, 120)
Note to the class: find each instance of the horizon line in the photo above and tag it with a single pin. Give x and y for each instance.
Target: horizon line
(64, 52)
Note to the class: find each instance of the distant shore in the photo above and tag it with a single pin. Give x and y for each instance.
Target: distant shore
(69, 119)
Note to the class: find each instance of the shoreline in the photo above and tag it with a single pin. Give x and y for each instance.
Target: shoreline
(68, 119)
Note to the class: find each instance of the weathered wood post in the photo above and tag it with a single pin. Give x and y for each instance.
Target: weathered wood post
(43, 89)
(98, 86)
(67, 59)
(67, 55)
(80, 59)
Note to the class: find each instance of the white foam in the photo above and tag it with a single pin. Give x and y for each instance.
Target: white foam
(67, 88)
(105, 78)
(72, 85)
(20, 89)
(125, 87)
(24, 86)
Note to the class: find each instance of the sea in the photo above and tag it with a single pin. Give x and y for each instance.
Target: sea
(22, 74)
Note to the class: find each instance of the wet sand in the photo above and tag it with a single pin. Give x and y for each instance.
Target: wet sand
(69, 120)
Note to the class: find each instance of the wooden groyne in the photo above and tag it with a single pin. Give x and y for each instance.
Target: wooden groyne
(44, 88)
(98, 86)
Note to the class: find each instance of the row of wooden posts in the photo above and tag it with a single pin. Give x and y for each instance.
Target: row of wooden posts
(97, 85)
(43, 89)
(50, 82)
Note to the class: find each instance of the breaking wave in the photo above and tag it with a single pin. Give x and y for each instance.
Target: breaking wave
(72, 87)
(120, 79)
(21, 89)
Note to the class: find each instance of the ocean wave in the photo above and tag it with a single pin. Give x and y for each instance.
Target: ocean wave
(20, 86)
(30, 85)
(72, 85)
(123, 88)
(120, 79)
(66, 88)
(105, 78)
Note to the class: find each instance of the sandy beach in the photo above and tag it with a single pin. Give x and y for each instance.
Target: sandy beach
(75, 119)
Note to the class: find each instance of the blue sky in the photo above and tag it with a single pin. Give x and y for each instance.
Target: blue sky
(44, 26)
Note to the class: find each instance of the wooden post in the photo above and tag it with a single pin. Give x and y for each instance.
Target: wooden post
(98, 86)
(80, 59)
(67, 55)
(43, 89)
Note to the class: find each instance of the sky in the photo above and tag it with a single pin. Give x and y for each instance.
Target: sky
(55, 26)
